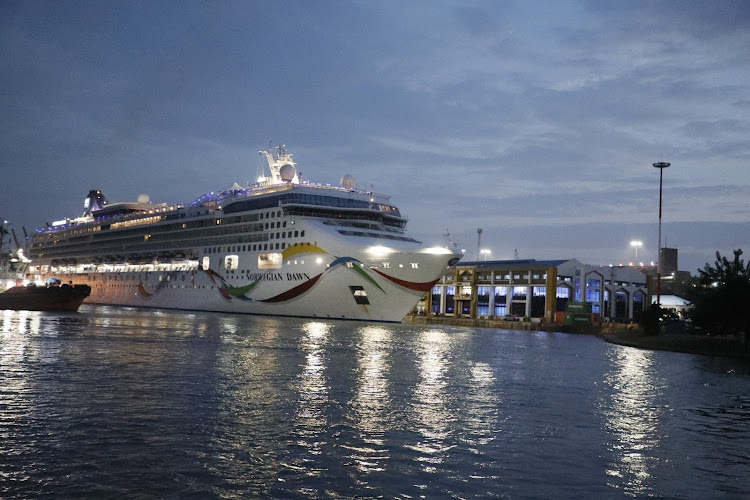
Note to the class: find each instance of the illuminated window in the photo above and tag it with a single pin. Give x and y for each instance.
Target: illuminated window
(269, 261)
(450, 292)
(231, 262)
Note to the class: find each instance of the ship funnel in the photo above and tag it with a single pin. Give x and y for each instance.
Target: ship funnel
(94, 201)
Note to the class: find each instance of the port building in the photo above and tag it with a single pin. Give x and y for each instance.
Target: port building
(537, 290)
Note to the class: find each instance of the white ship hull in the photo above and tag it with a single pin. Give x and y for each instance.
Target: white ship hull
(316, 291)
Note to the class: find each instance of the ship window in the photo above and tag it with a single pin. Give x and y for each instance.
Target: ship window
(231, 262)
(218, 221)
(206, 262)
(284, 224)
(269, 261)
(296, 233)
(302, 233)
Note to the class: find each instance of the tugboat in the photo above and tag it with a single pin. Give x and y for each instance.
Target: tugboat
(18, 293)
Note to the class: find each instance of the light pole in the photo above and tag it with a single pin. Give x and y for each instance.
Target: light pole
(485, 252)
(661, 166)
(637, 244)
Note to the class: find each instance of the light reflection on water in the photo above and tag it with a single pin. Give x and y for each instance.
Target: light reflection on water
(482, 407)
(313, 387)
(129, 403)
(633, 410)
(370, 406)
(430, 401)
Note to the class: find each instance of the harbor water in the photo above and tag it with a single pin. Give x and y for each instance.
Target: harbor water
(131, 403)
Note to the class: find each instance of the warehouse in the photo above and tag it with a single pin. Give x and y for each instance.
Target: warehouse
(537, 290)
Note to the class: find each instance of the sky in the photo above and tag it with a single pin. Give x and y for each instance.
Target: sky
(536, 121)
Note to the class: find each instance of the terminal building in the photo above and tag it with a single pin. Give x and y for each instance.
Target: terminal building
(538, 291)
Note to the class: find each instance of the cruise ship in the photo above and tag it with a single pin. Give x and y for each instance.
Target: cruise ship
(283, 246)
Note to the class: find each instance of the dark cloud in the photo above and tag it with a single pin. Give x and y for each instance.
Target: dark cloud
(536, 121)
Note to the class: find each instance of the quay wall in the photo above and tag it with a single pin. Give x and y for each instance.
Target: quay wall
(593, 329)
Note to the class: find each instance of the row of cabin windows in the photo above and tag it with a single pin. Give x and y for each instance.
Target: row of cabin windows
(259, 246)
(248, 248)
(270, 215)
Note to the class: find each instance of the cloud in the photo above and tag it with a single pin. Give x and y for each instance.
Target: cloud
(512, 116)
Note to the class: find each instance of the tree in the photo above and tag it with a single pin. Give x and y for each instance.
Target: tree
(721, 296)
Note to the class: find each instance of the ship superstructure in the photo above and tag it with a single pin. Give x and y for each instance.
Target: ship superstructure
(283, 246)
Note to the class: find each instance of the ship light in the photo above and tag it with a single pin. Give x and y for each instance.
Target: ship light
(437, 251)
(379, 251)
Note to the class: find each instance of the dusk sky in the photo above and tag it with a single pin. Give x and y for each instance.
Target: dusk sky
(535, 121)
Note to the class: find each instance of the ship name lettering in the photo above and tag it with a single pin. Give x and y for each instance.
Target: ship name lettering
(297, 276)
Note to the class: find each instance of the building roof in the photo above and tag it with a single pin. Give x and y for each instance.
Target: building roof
(671, 301)
(511, 263)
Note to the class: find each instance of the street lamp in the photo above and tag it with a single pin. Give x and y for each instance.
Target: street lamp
(637, 244)
(661, 166)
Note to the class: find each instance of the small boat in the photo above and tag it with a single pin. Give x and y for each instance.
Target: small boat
(52, 296)
(18, 293)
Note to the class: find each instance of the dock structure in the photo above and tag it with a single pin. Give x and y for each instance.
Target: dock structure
(538, 291)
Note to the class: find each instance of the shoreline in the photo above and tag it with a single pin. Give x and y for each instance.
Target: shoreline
(726, 347)
(629, 335)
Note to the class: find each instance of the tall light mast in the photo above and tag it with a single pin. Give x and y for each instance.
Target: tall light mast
(479, 241)
(661, 166)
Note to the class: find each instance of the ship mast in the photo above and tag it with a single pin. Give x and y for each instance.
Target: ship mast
(282, 168)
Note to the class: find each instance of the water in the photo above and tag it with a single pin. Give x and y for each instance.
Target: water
(128, 403)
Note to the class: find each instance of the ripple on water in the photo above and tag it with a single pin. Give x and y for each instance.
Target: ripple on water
(140, 404)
